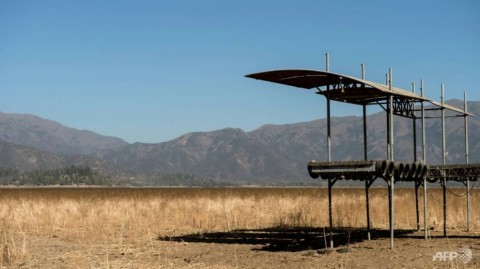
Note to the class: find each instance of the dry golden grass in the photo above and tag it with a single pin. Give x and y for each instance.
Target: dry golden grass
(143, 214)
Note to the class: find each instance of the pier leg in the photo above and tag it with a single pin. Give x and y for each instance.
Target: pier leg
(424, 158)
(416, 205)
(367, 183)
(444, 187)
(330, 221)
(365, 157)
(391, 209)
(466, 158)
(425, 219)
(468, 205)
(444, 158)
(390, 156)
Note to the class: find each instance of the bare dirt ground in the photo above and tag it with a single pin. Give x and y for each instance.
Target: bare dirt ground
(237, 250)
(228, 228)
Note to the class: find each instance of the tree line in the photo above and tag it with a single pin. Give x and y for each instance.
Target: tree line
(73, 175)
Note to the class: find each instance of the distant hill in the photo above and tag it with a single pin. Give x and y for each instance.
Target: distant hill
(27, 159)
(274, 153)
(271, 154)
(228, 154)
(42, 134)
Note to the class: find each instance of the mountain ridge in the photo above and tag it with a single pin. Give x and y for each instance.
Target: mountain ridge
(270, 154)
(48, 135)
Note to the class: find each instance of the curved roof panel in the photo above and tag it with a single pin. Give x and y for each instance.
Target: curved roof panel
(353, 90)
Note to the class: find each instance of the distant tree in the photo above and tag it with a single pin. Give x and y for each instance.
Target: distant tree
(77, 175)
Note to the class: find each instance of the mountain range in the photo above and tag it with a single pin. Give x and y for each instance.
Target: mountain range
(269, 155)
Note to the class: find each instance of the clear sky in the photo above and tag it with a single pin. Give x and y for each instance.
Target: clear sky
(150, 71)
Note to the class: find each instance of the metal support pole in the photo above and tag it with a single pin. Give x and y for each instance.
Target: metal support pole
(329, 140)
(330, 222)
(329, 148)
(466, 158)
(424, 140)
(390, 209)
(329, 156)
(417, 185)
(363, 71)
(414, 139)
(414, 130)
(365, 140)
(444, 188)
(329, 134)
(327, 62)
(388, 128)
(424, 158)
(444, 152)
(367, 198)
(415, 160)
(365, 156)
(389, 107)
(444, 159)
(390, 157)
(390, 114)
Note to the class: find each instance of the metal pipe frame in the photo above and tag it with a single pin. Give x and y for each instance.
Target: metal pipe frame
(405, 107)
(389, 108)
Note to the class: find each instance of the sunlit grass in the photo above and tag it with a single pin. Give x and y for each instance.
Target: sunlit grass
(130, 214)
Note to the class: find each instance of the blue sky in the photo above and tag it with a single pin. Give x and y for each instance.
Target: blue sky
(150, 71)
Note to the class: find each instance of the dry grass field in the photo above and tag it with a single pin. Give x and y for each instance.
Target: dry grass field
(222, 228)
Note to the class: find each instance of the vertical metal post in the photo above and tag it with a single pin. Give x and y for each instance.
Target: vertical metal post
(363, 71)
(417, 185)
(424, 140)
(327, 62)
(329, 148)
(388, 128)
(329, 154)
(364, 121)
(444, 159)
(415, 159)
(390, 114)
(444, 152)
(330, 221)
(390, 157)
(466, 158)
(424, 158)
(329, 134)
(369, 236)
(414, 128)
(329, 141)
(387, 80)
(444, 187)
(365, 156)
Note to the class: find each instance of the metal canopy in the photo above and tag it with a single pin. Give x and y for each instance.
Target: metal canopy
(394, 101)
(347, 89)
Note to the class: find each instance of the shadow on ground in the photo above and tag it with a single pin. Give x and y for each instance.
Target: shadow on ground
(286, 239)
